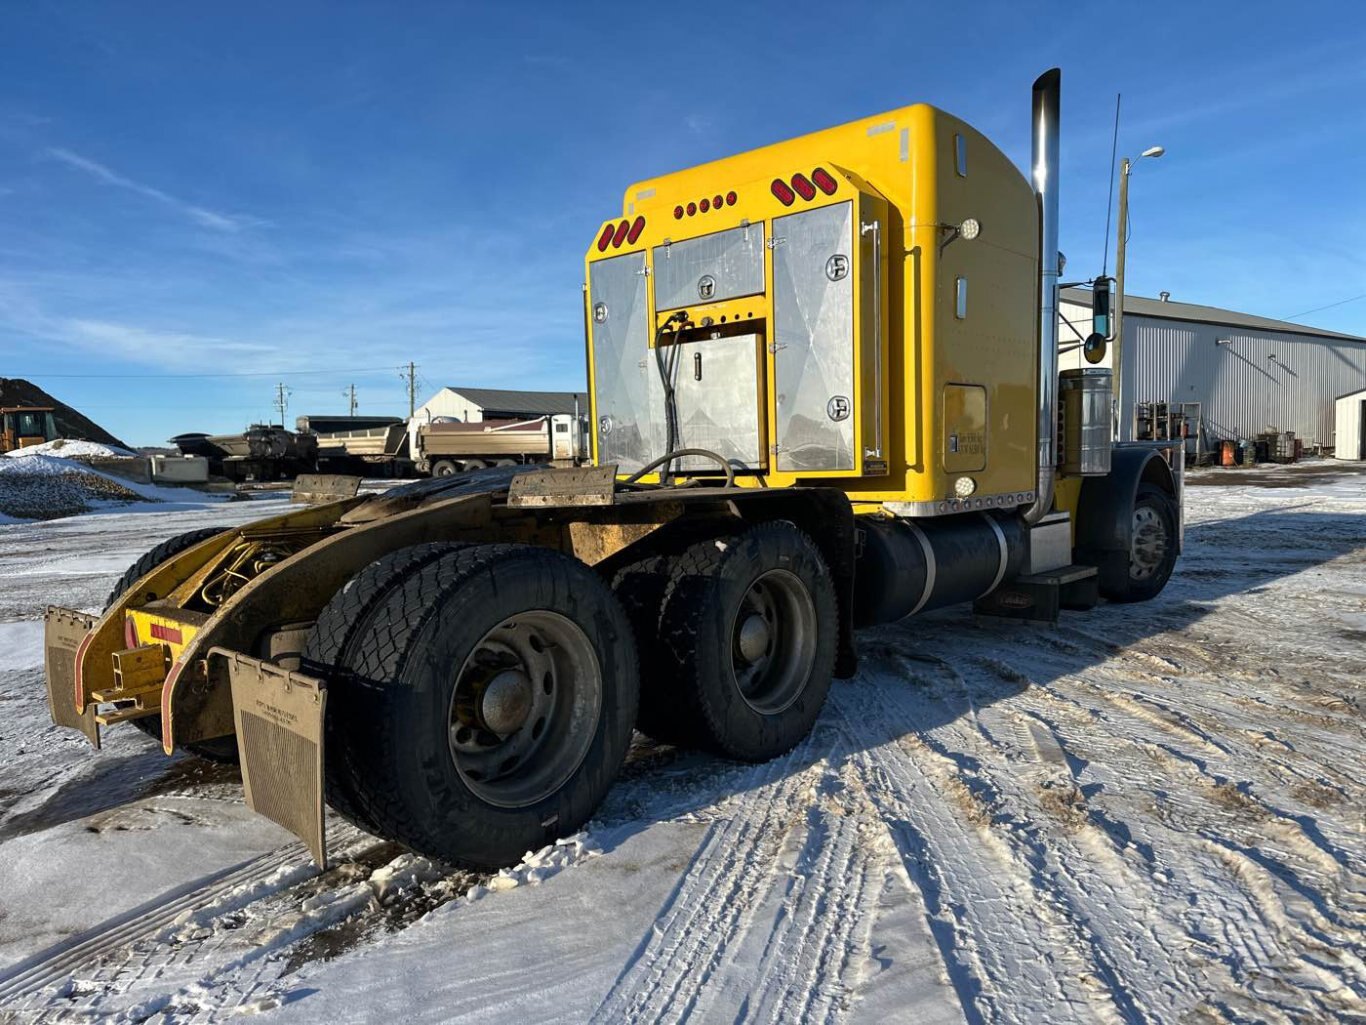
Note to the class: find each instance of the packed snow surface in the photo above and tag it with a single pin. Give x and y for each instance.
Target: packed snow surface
(69, 448)
(1153, 813)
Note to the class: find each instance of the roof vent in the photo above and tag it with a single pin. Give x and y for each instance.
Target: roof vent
(1164, 296)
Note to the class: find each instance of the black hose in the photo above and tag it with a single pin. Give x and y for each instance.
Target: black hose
(669, 457)
(668, 368)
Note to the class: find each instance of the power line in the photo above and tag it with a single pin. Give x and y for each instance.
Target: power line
(1316, 309)
(249, 373)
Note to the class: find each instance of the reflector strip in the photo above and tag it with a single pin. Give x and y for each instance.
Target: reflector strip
(169, 634)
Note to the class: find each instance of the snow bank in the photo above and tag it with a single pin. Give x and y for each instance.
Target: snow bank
(46, 487)
(69, 448)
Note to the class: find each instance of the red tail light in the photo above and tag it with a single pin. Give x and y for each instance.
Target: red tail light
(692, 209)
(620, 236)
(784, 194)
(803, 185)
(730, 199)
(705, 205)
(717, 201)
(605, 239)
(678, 213)
(637, 226)
(824, 181)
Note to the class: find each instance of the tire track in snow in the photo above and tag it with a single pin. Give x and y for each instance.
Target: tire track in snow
(83, 965)
(686, 964)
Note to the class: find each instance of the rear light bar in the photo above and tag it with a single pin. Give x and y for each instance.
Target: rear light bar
(614, 235)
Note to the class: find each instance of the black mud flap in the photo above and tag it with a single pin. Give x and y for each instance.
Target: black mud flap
(279, 719)
(63, 632)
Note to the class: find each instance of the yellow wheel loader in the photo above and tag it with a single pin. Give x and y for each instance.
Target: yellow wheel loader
(825, 393)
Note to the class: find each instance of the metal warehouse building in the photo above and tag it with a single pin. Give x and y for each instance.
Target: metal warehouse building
(1249, 374)
(473, 405)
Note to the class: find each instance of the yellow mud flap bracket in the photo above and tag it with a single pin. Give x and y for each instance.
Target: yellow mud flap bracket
(63, 632)
(279, 720)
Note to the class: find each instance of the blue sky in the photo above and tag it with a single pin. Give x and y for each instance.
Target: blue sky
(343, 187)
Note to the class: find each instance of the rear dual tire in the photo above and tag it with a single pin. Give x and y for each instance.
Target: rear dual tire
(482, 704)
(738, 641)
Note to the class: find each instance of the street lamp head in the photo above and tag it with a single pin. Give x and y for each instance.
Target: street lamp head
(1153, 151)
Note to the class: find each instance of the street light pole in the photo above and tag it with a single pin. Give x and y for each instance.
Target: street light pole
(1125, 168)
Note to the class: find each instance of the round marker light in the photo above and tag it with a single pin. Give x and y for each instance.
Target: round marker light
(692, 209)
(678, 213)
(970, 229)
(705, 205)
(730, 198)
(716, 202)
(964, 486)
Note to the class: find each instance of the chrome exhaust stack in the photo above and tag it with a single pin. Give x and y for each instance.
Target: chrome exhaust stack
(1047, 88)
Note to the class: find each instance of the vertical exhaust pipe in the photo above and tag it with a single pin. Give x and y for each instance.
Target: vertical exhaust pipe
(1047, 88)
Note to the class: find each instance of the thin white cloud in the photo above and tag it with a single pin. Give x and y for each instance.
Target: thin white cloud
(200, 215)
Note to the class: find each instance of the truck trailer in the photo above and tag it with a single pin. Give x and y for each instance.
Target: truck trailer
(446, 447)
(824, 394)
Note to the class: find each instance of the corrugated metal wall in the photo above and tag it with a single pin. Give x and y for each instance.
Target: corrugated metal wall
(1259, 380)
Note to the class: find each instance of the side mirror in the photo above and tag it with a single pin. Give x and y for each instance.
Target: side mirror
(1102, 302)
(1094, 348)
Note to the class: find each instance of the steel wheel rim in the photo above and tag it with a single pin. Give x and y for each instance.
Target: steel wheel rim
(773, 641)
(1149, 547)
(536, 677)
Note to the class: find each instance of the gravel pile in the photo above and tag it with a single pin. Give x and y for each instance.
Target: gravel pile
(44, 488)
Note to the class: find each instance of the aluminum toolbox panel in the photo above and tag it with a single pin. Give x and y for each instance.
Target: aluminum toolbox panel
(623, 364)
(711, 268)
(717, 393)
(813, 336)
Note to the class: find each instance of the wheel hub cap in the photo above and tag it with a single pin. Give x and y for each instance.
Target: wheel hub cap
(506, 702)
(754, 638)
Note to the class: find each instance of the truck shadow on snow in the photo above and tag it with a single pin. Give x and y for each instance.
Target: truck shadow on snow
(924, 673)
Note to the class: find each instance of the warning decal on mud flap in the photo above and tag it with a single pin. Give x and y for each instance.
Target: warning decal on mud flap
(279, 720)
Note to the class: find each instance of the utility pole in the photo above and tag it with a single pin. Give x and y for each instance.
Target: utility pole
(1117, 350)
(410, 375)
(281, 400)
(352, 392)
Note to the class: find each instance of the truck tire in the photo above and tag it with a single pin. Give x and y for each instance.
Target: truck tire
(342, 620)
(497, 692)
(505, 462)
(216, 749)
(640, 586)
(1152, 552)
(749, 632)
(473, 464)
(444, 468)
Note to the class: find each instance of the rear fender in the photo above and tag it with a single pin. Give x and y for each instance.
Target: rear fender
(196, 701)
(177, 579)
(1104, 529)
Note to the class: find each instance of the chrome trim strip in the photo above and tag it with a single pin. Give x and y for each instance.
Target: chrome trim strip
(930, 569)
(950, 506)
(1005, 554)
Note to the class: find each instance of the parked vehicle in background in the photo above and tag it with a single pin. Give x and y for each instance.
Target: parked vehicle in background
(444, 448)
(261, 452)
(22, 426)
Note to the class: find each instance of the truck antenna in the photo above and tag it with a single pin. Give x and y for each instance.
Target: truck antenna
(1110, 195)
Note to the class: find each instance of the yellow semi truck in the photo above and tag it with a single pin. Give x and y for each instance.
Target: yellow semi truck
(825, 393)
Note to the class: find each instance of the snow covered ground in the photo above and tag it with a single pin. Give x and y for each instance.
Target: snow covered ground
(1153, 813)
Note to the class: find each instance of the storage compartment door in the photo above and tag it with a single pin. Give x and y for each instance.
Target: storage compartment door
(618, 314)
(717, 393)
(813, 358)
